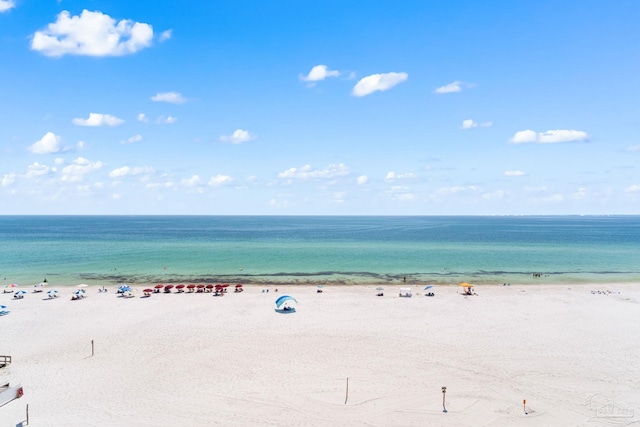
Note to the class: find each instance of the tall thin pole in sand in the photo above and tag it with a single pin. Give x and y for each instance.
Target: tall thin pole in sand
(92, 348)
(444, 392)
(346, 396)
(27, 414)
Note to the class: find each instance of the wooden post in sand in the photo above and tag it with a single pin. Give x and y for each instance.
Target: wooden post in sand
(27, 414)
(92, 353)
(444, 392)
(346, 396)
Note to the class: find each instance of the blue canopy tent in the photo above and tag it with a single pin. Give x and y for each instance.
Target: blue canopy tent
(286, 304)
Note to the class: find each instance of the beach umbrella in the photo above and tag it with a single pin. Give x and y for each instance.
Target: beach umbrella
(20, 292)
(159, 286)
(428, 287)
(465, 285)
(168, 288)
(191, 286)
(285, 299)
(3, 310)
(200, 286)
(209, 286)
(180, 286)
(10, 288)
(39, 285)
(239, 285)
(148, 290)
(320, 286)
(52, 292)
(379, 288)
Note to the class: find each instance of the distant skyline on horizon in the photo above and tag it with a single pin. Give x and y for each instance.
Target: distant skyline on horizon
(346, 108)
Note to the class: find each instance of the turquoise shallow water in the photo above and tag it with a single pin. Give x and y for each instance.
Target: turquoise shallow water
(67, 250)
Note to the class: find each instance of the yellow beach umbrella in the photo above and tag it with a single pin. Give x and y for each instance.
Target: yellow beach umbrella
(466, 285)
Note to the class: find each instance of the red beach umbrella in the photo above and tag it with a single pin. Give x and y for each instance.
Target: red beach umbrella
(168, 288)
(148, 290)
(159, 286)
(239, 285)
(209, 286)
(191, 286)
(200, 286)
(180, 286)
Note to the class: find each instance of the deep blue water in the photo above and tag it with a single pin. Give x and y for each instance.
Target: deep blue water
(267, 249)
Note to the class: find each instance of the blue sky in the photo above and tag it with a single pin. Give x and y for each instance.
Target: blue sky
(333, 108)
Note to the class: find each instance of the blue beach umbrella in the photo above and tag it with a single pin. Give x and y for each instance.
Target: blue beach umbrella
(284, 299)
(52, 292)
(20, 292)
(3, 310)
(428, 287)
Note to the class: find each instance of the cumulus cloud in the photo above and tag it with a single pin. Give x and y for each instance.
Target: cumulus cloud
(548, 137)
(633, 148)
(91, 34)
(170, 97)
(470, 124)
(78, 168)
(401, 193)
(219, 180)
(378, 82)
(166, 120)
(238, 137)
(362, 179)
(142, 117)
(307, 172)
(129, 171)
(318, 73)
(392, 176)
(97, 119)
(36, 169)
(49, 143)
(166, 35)
(633, 189)
(514, 173)
(191, 182)
(8, 179)
(6, 5)
(452, 87)
(134, 138)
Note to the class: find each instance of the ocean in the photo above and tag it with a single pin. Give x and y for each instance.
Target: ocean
(105, 250)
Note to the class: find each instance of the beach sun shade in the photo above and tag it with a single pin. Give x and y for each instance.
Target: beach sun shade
(239, 285)
(180, 286)
(379, 288)
(159, 286)
(20, 292)
(428, 287)
(283, 299)
(52, 291)
(466, 285)
(148, 290)
(191, 286)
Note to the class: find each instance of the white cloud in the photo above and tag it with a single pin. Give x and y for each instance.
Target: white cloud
(80, 167)
(80, 145)
(514, 173)
(59, 161)
(555, 198)
(319, 72)
(238, 137)
(129, 171)
(49, 143)
(36, 169)
(191, 182)
(449, 88)
(142, 117)
(362, 179)
(218, 180)
(134, 138)
(401, 193)
(455, 190)
(307, 172)
(8, 179)
(535, 189)
(392, 176)
(580, 194)
(378, 82)
(6, 5)
(470, 124)
(92, 34)
(97, 119)
(166, 120)
(166, 35)
(170, 97)
(633, 148)
(633, 189)
(548, 137)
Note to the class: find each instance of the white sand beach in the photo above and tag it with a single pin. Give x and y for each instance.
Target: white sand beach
(197, 360)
